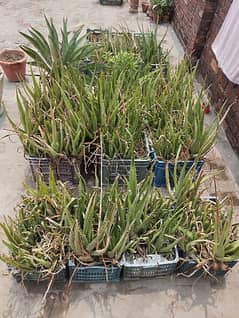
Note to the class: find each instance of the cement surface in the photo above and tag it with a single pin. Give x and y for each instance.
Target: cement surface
(166, 298)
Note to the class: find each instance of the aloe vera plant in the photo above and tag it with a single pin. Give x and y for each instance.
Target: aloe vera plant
(34, 238)
(162, 6)
(143, 44)
(54, 117)
(92, 227)
(176, 119)
(56, 51)
(207, 233)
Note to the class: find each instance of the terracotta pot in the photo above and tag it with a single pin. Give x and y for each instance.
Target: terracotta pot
(13, 63)
(145, 6)
(134, 6)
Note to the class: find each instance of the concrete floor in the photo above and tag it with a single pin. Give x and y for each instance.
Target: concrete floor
(171, 297)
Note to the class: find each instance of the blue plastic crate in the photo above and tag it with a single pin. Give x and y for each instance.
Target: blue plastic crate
(94, 274)
(160, 168)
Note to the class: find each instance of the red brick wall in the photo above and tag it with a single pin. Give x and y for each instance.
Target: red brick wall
(223, 91)
(197, 23)
(191, 21)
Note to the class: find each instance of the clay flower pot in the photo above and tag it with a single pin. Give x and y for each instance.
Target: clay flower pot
(13, 63)
(145, 6)
(133, 6)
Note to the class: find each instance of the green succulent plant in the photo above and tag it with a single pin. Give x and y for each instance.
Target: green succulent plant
(56, 51)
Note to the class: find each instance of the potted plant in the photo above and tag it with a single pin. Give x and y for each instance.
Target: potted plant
(34, 237)
(48, 140)
(162, 10)
(144, 46)
(207, 237)
(13, 62)
(118, 221)
(122, 137)
(70, 48)
(215, 250)
(133, 6)
(176, 125)
(154, 253)
(100, 233)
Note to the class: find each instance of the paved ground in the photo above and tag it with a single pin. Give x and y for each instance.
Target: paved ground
(171, 297)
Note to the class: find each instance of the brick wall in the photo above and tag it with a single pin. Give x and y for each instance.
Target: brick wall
(197, 23)
(223, 91)
(192, 21)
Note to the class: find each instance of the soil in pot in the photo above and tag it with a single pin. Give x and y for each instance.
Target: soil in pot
(11, 56)
(13, 63)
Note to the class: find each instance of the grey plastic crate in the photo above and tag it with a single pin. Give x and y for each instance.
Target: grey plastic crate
(148, 267)
(64, 169)
(94, 274)
(121, 168)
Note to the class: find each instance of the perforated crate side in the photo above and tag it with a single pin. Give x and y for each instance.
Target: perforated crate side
(65, 170)
(95, 274)
(134, 272)
(37, 276)
(121, 168)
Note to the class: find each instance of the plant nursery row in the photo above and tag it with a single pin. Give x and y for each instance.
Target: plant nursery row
(107, 124)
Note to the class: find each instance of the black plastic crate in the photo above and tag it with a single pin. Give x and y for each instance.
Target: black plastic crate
(112, 2)
(151, 266)
(94, 274)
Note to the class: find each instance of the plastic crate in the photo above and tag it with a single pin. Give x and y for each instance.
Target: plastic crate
(160, 168)
(61, 276)
(111, 2)
(65, 170)
(149, 267)
(188, 268)
(95, 35)
(121, 168)
(94, 274)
